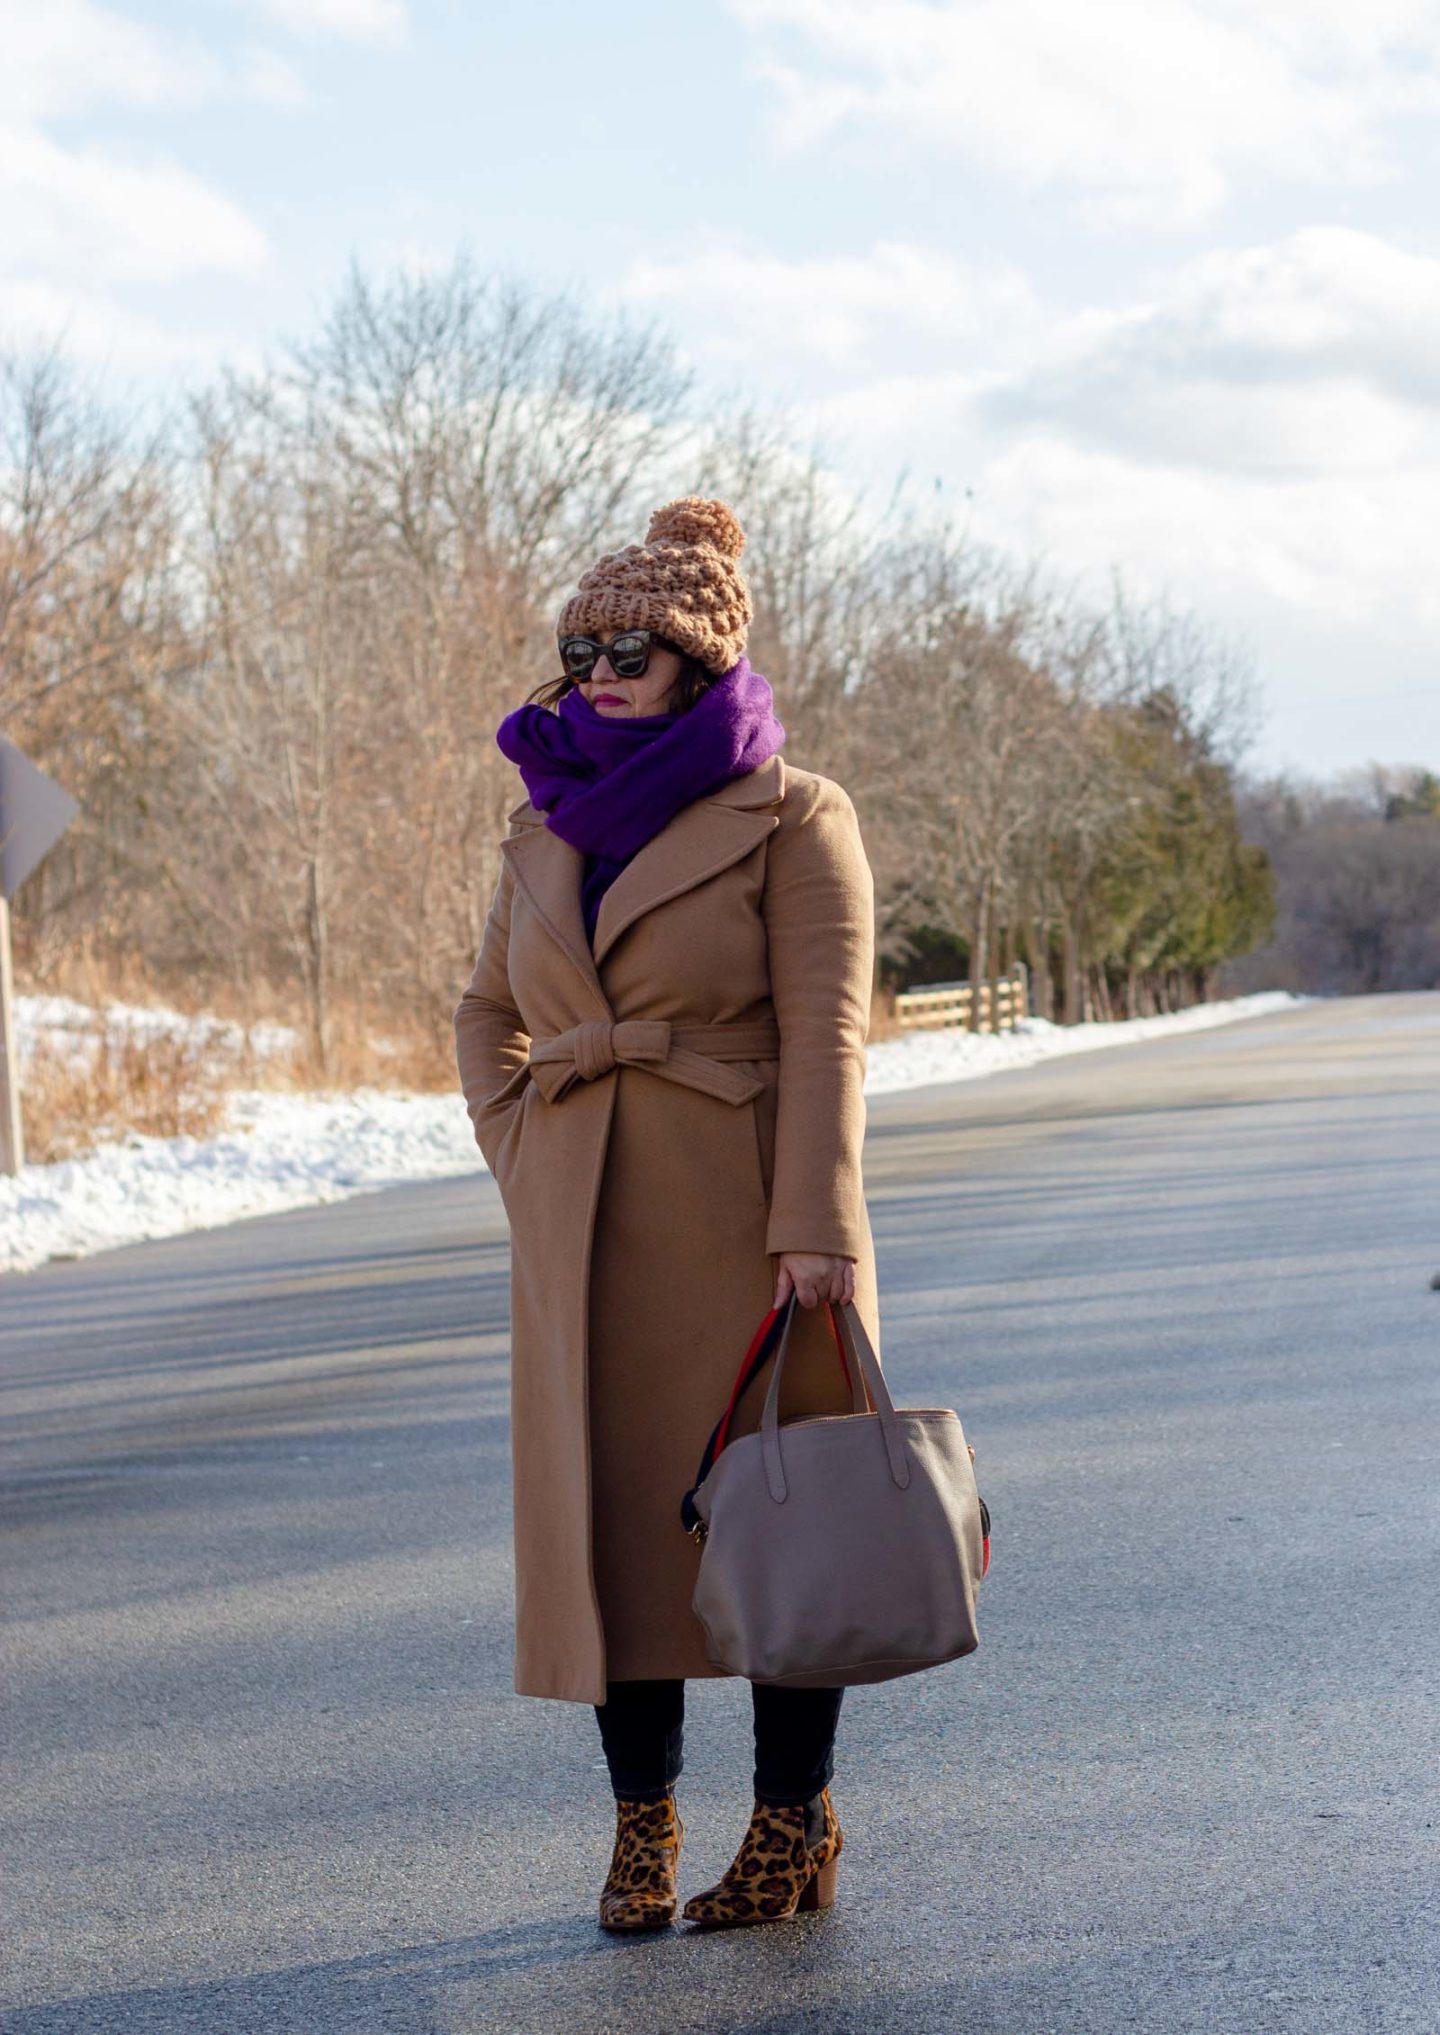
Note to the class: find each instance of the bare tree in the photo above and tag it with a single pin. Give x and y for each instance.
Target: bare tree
(269, 647)
(89, 623)
(382, 527)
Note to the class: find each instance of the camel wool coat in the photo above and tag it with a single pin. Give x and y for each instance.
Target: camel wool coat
(662, 1115)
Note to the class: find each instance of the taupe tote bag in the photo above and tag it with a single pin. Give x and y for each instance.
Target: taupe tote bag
(841, 1548)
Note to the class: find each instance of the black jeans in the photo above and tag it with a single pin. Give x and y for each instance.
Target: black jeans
(642, 1728)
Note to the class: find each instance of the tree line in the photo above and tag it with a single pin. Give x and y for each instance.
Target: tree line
(266, 640)
(1357, 877)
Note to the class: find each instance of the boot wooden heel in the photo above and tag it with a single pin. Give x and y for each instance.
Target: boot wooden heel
(820, 1888)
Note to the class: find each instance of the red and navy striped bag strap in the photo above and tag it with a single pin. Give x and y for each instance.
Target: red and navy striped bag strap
(763, 1345)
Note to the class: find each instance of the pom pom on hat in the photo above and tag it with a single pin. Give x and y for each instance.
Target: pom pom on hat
(684, 582)
(693, 520)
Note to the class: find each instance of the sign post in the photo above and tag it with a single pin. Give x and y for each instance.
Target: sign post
(34, 813)
(12, 1142)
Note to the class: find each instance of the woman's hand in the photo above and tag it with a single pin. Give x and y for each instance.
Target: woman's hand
(814, 1276)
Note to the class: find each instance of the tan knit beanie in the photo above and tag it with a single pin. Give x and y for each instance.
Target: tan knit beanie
(684, 582)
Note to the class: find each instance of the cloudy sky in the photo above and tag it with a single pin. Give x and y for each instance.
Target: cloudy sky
(1140, 284)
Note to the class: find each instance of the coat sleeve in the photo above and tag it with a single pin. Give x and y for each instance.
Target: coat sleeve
(819, 907)
(491, 1042)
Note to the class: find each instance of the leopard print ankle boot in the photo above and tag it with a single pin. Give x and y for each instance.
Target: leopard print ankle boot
(781, 1868)
(639, 1892)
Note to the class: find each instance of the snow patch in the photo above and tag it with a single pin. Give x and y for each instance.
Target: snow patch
(918, 1058)
(277, 1151)
(281, 1151)
(65, 1025)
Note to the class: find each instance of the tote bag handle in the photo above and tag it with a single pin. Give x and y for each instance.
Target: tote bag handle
(774, 1330)
(864, 1365)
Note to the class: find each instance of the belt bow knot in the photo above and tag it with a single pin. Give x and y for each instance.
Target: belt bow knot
(599, 1044)
(692, 1055)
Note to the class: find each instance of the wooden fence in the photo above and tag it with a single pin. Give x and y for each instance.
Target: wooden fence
(995, 1006)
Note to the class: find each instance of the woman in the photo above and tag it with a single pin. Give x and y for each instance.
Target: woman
(662, 1053)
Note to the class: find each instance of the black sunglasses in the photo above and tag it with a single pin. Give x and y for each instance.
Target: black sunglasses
(628, 654)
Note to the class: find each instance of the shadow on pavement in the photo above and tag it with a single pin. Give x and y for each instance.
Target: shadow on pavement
(814, 1977)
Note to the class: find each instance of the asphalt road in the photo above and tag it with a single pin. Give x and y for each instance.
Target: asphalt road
(267, 1772)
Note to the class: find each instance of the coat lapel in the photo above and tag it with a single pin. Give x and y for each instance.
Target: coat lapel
(698, 843)
(548, 870)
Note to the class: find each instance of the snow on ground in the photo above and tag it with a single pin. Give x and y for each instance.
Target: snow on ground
(282, 1151)
(922, 1057)
(65, 1025)
(279, 1151)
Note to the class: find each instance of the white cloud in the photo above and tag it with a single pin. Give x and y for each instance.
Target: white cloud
(376, 21)
(82, 222)
(1318, 353)
(78, 217)
(1150, 110)
(1325, 572)
(89, 215)
(1320, 350)
(1355, 551)
(73, 56)
(1258, 433)
(1315, 354)
(69, 56)
(758, 304)
(262, 73)
(92, 326)
(1323, 301)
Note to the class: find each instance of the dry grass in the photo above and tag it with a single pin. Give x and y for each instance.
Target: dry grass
(104, 1085)
(119, 978)
(100, 1081)
(371, 1052)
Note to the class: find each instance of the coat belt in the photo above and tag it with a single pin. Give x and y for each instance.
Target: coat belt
(693, 1055)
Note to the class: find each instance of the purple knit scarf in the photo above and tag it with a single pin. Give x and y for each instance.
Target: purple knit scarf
(607, 786)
